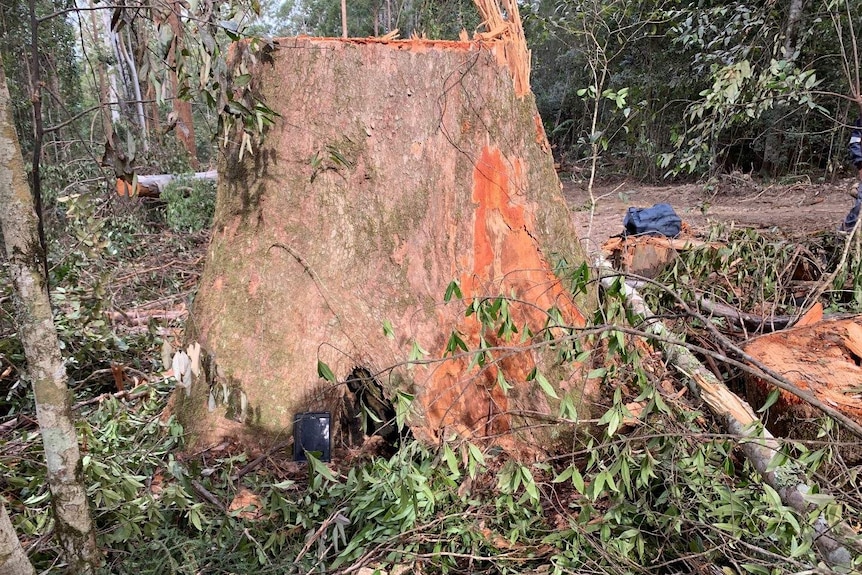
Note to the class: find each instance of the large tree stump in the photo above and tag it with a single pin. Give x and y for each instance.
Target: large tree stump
(394, 169)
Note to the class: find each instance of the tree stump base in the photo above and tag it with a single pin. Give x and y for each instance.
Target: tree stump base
(396, 173)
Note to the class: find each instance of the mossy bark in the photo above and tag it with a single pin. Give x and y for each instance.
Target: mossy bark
(74, 527)
(393, 170)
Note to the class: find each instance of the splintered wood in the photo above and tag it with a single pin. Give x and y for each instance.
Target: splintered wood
(508, 28)
(647, 256)
(824, 359)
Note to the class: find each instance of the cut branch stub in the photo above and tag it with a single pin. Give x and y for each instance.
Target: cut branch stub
(393, 170)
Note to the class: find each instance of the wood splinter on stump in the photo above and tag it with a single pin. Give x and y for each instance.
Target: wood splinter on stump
(393, 169)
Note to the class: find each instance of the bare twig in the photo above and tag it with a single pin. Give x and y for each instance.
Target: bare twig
(206, 495)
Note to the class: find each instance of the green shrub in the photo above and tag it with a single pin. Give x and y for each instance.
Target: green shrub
(190, 203)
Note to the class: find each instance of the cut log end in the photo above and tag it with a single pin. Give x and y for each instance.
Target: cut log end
(823, 358)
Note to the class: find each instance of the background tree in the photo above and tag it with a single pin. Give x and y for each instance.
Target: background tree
(18, 221)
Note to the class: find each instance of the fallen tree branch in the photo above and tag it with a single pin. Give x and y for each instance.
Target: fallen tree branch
(255, 463)
(206, 495)
(143, 316)
(749, 321)
(763, 371)
(758, 444)
(152, 186)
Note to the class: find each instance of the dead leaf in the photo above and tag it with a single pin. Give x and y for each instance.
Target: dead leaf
(247, 501)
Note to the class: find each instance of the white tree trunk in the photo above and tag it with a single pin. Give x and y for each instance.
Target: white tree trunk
(74, 526)
(110, 46)
(13, 559)
(136, 88)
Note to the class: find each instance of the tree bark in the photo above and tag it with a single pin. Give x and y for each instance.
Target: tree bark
(13, 559)
(394, 169)
(135, 82)
(791, 29)
(39, 337)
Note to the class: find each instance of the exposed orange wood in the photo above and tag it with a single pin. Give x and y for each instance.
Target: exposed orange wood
(507, 260)
(812, 316)
(822, 358)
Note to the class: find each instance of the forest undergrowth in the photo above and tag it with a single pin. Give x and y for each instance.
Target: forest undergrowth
(651, 484)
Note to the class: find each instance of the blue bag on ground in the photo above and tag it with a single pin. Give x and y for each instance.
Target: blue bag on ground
(657, 220)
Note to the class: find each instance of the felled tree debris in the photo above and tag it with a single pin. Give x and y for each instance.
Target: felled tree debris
(835, 542)
(824, 359)
(152, 186)
(647, 255)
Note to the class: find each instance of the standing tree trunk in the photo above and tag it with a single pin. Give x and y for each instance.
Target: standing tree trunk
(13, 559)
(393, 170)
(44, 363)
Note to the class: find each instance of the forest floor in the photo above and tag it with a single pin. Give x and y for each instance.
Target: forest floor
(797, 210)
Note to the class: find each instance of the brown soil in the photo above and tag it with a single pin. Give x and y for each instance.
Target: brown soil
(800, 209)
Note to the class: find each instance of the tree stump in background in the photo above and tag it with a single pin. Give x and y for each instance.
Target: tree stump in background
(393, 170)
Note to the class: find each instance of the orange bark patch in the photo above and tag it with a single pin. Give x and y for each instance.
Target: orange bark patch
(506, 261)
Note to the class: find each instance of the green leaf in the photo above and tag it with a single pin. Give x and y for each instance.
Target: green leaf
(600, 372)
(452, 289)
(387, 329)
(476, 454)
(319, 467)
(770, 400)
(326, 373)
(577, 480)
(565, 475)
(455, 343)
(416, 352)
(501, 381)
(818, 498)
(451, 461)
(546, 385)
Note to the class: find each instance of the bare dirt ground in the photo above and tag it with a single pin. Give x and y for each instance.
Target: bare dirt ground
(795, 210)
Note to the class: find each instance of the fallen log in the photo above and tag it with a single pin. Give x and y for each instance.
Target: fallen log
(756, 323)
(143, 316)
(152, 186)
(759, 445)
